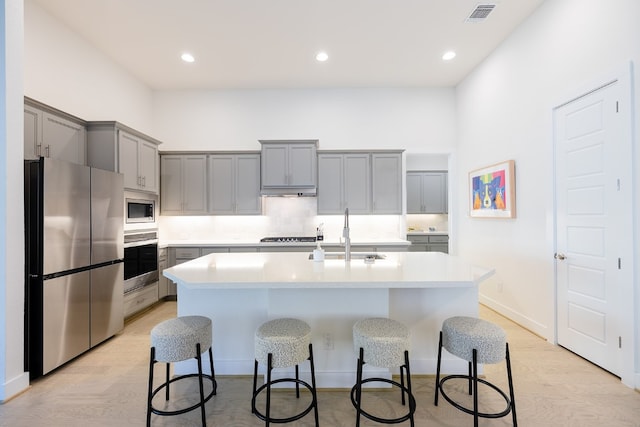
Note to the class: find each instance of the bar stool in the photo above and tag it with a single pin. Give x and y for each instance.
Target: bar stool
(175, 340)
(383, 343)
(476, 341)
(282, 343)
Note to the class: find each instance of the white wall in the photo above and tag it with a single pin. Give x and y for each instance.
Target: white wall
(505, 112)
(66, 72)
(12, 376)
(418, 119)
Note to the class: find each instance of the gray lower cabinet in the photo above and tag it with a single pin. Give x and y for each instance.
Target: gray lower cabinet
(427, 192)
(426, 243)
(183, 184)
(49, 133)
(234, 184)
(163, 282)
(140, 299)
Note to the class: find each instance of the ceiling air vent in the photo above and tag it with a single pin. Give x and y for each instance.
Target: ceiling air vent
(480, 13)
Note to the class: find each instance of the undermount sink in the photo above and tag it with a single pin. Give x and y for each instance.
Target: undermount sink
(354, 255)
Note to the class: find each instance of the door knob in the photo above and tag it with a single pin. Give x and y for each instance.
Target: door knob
(561, 257)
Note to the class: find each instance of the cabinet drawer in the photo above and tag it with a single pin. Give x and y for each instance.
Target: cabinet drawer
(138, 300)
(207, 251)
(418, 239)
(187, 253)
(438, 239)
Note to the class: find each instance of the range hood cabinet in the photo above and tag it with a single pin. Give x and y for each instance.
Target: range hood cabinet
(289, 167)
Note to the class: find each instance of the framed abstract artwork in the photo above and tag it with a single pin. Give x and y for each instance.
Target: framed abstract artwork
(492, 191)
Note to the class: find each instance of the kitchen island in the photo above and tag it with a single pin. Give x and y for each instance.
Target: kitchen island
(240, 291)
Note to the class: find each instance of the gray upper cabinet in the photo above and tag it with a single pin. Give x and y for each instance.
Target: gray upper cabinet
(234, 184)
(426, 192)
(53, 134)
(344, 181)
(386, 183)
(183, 181)
(288, 167)
(113, 146)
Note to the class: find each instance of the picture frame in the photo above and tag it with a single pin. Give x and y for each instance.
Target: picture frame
(492, 191)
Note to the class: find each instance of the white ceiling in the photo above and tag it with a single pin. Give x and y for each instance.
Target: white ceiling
(272, 43)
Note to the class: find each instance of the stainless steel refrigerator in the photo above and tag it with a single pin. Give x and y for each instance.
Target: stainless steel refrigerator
(74, 252)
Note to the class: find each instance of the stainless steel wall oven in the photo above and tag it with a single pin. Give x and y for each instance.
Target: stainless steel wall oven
(140, 259)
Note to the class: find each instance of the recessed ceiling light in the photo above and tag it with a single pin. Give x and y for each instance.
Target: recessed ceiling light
(187, 57)
(322, 56)
(448, 56)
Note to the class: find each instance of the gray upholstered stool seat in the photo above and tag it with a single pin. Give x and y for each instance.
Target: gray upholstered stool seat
(282, 343)
(461, 335)
(383, 343)
(175, 340)
(286, 339)
(476, 341)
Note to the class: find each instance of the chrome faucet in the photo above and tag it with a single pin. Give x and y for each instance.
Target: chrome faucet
(345, 234)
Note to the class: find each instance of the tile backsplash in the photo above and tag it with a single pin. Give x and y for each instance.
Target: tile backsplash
(281, 216)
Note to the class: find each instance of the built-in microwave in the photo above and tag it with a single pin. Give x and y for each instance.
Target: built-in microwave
(139, 210)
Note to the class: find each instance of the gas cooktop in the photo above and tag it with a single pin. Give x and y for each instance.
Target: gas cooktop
(295, 239)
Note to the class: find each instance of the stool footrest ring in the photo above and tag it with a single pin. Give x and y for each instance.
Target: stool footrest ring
(470, 411)
(412, 402)
(190, 408)
(283, 420)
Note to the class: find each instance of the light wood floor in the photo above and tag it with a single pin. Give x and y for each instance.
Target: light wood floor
(107, 387)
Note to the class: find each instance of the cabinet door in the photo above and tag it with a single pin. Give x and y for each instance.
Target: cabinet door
(247, 184)
(221, 188)
(434, 192)
(63, 139)
(275, 165)
(194, 184)
(386, 183)
(171, 185)
(163, 282)
(148, 166)
(128, 160)
(32, 132)
(357, 179)
(414, 192)
(302, 165)
(330, 183)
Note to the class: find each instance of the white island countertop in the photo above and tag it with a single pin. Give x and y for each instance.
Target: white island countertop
(281, 270)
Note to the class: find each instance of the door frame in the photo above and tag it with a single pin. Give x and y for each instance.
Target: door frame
(629, 331)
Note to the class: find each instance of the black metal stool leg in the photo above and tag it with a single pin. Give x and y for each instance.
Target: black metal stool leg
(201, 386)
(297, 384)
(213, 372)
(168, 368)
(437, 388)
(255, 386)
(314, 394)
(475, 388)
(412, 402)
(152, 361)
(511, 393)
(269, 367)
(471, 378)
(359, 386)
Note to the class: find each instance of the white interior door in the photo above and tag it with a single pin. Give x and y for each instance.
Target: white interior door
(593, 225)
